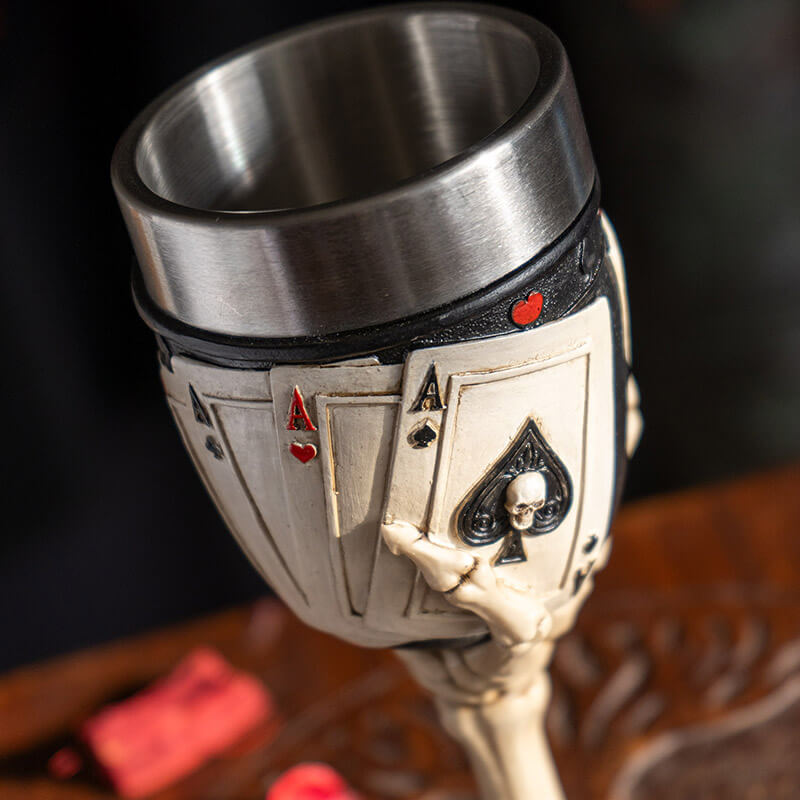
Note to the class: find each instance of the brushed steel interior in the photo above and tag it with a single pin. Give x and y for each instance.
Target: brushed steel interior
(354, 171)
(323, 118)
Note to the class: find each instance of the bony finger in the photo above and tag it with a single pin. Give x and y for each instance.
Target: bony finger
(545, 625)
(399, 536)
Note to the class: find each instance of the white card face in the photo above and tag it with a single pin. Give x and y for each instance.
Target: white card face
(335, 430)
(544, 395)
(356, 436)
(229, 431)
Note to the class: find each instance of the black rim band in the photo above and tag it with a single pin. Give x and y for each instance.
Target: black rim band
(563, 274)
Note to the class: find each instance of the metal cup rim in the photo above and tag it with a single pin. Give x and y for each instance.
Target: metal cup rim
(159, 226)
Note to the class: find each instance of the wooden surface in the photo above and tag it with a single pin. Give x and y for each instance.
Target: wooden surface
(681, 679)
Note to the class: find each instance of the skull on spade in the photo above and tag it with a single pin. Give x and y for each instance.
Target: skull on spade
(525, 495)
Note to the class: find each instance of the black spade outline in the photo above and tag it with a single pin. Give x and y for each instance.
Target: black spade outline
(483, 519)
(423, 435)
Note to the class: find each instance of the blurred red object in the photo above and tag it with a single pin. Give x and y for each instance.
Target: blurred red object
(169, 729)
(311, 782)
(65, 763)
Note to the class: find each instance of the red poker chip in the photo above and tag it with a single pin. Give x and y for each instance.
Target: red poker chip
(171, 728)
(311, 782)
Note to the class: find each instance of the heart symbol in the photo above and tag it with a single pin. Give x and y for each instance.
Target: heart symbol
(527, 311)
(303, 452)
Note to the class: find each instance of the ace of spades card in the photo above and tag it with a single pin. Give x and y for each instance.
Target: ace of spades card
(536, 401)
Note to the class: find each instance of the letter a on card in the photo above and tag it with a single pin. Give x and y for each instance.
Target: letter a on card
(298, 416)
(429, 398)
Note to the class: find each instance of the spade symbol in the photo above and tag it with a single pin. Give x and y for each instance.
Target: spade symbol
(591, 543)
(422, 435)
(580, 576)
(214, 447)
(483, 518)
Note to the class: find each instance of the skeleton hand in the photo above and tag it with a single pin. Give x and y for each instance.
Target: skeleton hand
(512, 615)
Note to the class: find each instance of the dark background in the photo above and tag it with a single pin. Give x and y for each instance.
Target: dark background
(693, 109)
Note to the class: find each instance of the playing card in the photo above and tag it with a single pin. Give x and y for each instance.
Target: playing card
(228, 429)
(539, 401)
(335, 430)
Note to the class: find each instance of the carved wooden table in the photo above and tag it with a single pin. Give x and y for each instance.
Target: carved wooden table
(681, 680)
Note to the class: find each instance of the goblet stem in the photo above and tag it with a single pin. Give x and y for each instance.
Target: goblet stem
(506, 743)
(501, 727)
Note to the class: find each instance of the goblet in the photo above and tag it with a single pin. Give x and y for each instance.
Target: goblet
(394, 337)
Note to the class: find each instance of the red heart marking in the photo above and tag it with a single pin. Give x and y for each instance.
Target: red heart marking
(527, 311)
(303, 452)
